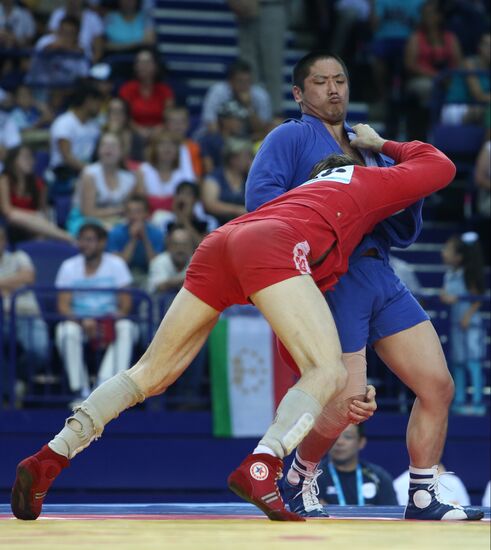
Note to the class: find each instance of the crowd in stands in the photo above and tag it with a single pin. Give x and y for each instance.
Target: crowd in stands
(99, 151)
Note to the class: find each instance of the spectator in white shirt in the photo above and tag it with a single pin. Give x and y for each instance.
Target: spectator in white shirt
(9, 135)
(94, 317)
(91, 34)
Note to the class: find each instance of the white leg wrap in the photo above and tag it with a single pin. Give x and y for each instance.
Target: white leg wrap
(294, 419)
(103, 405)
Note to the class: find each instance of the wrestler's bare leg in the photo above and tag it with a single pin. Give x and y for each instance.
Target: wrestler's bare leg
(415, 355)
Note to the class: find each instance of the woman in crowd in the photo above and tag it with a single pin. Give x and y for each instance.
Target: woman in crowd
(147, 97)
(102, 187)
(159, 177)
(128, 28)
(223, 189)
(23, 199)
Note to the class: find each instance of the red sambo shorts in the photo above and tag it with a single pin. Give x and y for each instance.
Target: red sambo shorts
(238, 260)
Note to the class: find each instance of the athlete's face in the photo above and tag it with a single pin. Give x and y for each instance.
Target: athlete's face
(347, 446)
(326, 91)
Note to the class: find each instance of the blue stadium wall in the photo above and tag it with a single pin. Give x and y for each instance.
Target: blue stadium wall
(155, 456)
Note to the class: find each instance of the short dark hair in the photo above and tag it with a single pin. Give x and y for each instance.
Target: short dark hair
(238, 66)
(71, 20)
(142, 199)
(334, 160)
(97, 228)
(302, 67)
(188, 185)
(84, 90)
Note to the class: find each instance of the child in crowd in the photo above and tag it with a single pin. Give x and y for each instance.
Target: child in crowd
(464, 278)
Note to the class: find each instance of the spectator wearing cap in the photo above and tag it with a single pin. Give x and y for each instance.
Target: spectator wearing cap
(223, 189)
(128, 28)
(239, 86)
(231, 123)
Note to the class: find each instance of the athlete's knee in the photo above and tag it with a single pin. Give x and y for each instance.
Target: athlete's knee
(438, 388)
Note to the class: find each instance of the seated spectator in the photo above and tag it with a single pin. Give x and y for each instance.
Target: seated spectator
(73, 138)
(9, 135)
(168, 269)
(251, 96)
(187, 212)
(91, 27)
(16, 271)
(224, 189)
(177, 124)
(482, 179)
(136, 240)
(348, 480)
(23, 199)
(159, 177)
(146, 95)
(29, 113)
(128, 28)
(430, 50)
(392, 22)
(468, 96)
(17, 26)
(101, 77)
(118, 123)
(231, 119)
(95, 317)
(102, 188)
(452, 488)
(58, 60)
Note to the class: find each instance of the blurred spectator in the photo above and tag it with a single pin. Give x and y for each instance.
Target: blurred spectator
(486, 498)
(468, 97)
(468, 19)
(91, 28)
(94, 317)
(224, 189)
(16, 271)
(482, 179)
(102, 188)
(9, 135)
(23, 199)
(239, 86)
(262, 26)
(146, 95)
(464, 277)
(429, 51)
(29, 113)
(405, 271)
(451, 488)
(58, 60)
(136, 240)
(101, 77)
(73, 138)
(393, 21)
(17, 25)
(347, 479)
(187, 212)
(128, 27)
(158, 178)
(168, 269)
(177, 124)
(231, 119)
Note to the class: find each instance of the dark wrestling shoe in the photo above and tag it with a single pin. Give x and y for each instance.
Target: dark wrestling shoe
(425, 503)
(301, 492)
(35, 474)
(255, 481)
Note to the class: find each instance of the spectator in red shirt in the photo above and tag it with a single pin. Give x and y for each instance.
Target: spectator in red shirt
(147, 97)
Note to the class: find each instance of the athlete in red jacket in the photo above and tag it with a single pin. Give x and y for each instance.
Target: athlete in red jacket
(276, 258)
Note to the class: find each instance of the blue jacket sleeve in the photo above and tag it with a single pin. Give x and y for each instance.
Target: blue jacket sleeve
(273, 168)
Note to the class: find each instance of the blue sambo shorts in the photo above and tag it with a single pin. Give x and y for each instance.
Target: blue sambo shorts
(370, 302)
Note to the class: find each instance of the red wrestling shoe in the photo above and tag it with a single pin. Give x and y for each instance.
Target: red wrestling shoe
(35, 474)
(255, 481)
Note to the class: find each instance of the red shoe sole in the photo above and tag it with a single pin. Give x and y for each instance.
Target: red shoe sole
(21, 495)
(274, 515)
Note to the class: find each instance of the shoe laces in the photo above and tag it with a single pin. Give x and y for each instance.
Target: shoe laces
(435, 487)
(310, 487)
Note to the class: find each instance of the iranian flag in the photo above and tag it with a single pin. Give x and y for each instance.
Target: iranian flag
(248, 377)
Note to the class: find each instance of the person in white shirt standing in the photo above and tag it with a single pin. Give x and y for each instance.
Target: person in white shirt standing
(94, 317)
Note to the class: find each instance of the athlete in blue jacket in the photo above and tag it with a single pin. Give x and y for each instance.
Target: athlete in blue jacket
(370, 304)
